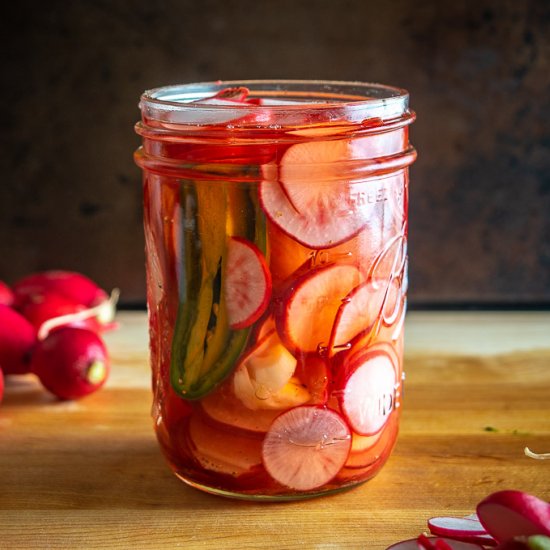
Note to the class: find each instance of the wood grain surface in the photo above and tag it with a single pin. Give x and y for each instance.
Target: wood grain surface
(89, 474)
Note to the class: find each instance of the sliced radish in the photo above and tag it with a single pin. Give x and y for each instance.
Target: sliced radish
(17, 341)
(367, 395)
(358, 313)
(316, 202)
(315, 226)
(308, 310)
(247, 284)
(221, 451)
(306, 447)
(74, 286)
(223, 407)
(453, 527)
(288, 257)
(508, 514)
(431, 543)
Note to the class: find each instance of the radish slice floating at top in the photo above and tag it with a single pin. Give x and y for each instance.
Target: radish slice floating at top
(368, 394)
(247, 284)
(306, 447)
(508, 514)
(312, 196)
(323, 226)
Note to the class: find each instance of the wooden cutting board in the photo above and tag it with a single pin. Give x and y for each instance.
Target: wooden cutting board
(89, 474)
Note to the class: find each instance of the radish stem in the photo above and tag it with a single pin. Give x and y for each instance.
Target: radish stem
(538, 456)
(96, 311)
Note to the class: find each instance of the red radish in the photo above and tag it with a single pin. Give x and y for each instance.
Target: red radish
(306, 313)
(306, 447)
(73, 286)
(6, 294)
(431, 543)
(323, 227)
(46, 306)
(222, 451)
(247, 283)
(236, 97)
(1, 385)
(367, 391)
(52, 311)
(17, 339)
(508, 514)
(71, 362)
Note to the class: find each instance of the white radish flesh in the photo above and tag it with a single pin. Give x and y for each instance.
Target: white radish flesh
(368, 396)
(247, 283)
(449, 526)
(306, 447)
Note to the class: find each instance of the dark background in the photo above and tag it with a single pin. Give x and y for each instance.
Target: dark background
(479, 77)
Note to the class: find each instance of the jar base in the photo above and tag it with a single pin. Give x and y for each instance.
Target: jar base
(267, 498)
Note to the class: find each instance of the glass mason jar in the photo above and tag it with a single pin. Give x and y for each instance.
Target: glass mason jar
(275, 218)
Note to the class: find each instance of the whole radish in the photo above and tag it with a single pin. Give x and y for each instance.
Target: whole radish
(51, 311)
(70, 297)
(47, 306)
(69, 284)
(17, 339)
(71, 362)
(6, 294)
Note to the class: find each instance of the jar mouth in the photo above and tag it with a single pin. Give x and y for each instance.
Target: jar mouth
(281, 99)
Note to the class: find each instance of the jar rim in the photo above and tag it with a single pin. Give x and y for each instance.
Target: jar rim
(358, 100)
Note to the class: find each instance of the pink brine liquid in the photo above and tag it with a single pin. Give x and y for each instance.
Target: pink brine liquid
(277, 281)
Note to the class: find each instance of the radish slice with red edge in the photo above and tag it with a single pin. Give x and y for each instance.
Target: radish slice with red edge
(247, 283)
(306, 447)
(450, 526)
(223, 451)
(358, 312)
(508, 514)
(463, 529)
(432, 543)
(368, 394)
(306, 314)
(318, 227)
